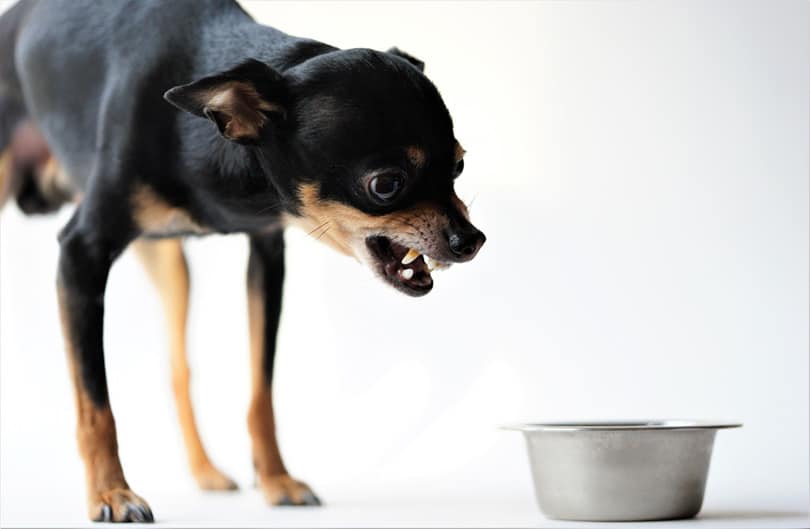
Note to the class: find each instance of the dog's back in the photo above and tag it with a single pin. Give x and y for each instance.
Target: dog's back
(56, 61)
(66, 65)
(28, 171)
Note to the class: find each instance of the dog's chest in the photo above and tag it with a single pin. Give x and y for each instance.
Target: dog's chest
(155, 217)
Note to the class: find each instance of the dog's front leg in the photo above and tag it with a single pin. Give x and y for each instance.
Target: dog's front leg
(84, 263)
(265, 279)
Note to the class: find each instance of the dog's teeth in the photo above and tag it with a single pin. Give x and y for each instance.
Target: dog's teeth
(431, 263)
(410, 257)
(407, 273)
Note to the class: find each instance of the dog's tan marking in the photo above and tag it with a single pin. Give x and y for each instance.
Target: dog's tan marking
(96, 438)
(55, 182)
(416, 156)
(166, 265)
(5, 176)
(243, 105)
(341, 226)
(154, 216)
(28, 156)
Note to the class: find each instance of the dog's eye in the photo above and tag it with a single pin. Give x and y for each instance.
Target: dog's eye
(384, 187)
(458, 168)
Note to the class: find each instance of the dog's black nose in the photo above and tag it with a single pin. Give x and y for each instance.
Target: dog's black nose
(465, 244)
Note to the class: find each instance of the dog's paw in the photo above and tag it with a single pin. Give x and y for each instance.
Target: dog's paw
(282, 489)
(120, 505)
(209, 478)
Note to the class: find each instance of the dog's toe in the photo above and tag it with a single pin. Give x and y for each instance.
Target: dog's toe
(283, 490)
(104, 514)
(309, 498)
(120, 505)
(209, 478)
(285, 500)
(139, 513)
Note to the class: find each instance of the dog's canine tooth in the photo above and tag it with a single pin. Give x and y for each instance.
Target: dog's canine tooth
(434, 264)
(406, 273)
(431, 263)
(411, 256)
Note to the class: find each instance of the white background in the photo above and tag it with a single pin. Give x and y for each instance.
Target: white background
(641, 172)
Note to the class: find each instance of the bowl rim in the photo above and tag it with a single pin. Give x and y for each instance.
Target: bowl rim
(621, 425)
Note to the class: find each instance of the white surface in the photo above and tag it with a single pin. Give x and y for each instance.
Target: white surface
(641, 172)
(197, 509)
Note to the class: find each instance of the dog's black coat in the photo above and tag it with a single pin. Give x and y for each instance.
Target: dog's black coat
(125, 55)
(95, 74)
(106, 84)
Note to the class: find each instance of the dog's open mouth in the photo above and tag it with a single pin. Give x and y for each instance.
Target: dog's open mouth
(406, 269)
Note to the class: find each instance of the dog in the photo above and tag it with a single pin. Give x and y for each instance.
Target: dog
(161, 120)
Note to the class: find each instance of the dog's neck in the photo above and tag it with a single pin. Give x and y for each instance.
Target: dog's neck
(240, 186)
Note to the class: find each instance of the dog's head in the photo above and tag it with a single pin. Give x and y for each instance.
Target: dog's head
(360, 145)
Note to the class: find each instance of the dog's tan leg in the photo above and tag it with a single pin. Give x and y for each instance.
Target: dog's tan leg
(165, 262)
(5, 176)
(109, 495)
(265, 278)
(109, 498)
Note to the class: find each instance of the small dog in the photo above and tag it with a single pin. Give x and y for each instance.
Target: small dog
(166, 119)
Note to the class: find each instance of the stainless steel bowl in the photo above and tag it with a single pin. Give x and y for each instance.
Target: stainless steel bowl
(623, 471)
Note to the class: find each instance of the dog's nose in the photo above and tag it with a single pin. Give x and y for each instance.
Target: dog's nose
(465, 244)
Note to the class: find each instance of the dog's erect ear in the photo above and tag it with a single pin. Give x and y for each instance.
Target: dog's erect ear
(410, 58)
(240, 100)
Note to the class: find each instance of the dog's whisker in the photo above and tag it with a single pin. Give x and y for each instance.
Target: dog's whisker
(269, 207)
(324, 230)
(322, 233)
(316, 228)
(408, 223)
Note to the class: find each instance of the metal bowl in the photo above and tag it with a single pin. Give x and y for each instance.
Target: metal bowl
(620, 471)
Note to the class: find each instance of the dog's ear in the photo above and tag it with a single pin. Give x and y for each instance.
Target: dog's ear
(240, 100)
(410, 58)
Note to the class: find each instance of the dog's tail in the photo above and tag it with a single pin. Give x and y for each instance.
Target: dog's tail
(28, 172)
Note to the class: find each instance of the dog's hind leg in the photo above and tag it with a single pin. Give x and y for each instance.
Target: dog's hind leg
(11, 114)
(265, 278)
(5, 176)
(12, 108)
(166, 265)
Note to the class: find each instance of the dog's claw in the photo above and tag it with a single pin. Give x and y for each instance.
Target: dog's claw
(138, 513)
(105, 515)
(282, 489)
(309, 498)
(120, 505)
(285, 500)
(148, 517)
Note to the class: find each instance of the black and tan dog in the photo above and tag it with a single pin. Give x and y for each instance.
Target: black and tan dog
(165, 119)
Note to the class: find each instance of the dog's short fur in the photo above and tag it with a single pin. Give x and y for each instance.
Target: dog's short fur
(166, 119)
